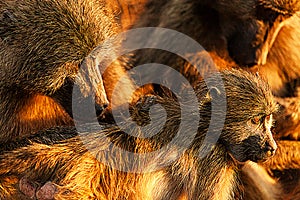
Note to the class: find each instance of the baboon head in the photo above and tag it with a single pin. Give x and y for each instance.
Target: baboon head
(252, 26)
(247, 131)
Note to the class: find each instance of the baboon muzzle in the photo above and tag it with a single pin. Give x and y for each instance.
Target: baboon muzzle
(270, 150)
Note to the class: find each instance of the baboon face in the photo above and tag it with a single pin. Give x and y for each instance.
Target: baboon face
(259, 144)
(247, 131)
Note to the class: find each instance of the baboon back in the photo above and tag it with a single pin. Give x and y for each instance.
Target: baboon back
(180, 172)
(43, 45)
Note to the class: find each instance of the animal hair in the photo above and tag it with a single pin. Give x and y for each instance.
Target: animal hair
(43, 46)
(257, 36)
(42, 158)
(42, 68)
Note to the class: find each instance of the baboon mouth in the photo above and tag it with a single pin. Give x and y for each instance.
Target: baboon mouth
(236, 161)
(262, 158)
(259, 158)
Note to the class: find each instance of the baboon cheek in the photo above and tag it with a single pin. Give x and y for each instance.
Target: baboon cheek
(253, 148)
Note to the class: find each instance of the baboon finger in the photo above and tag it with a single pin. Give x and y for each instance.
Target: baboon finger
(27, 187)
(47, 191)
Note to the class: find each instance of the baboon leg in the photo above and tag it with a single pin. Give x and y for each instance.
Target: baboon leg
(52, 155)
(41, 163)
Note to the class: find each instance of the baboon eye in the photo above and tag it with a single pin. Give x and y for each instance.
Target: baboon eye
(255, 120)
(268, 117)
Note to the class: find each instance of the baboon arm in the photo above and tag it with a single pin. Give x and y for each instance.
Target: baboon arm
(37, 158)
(287, 121)
(258, 183)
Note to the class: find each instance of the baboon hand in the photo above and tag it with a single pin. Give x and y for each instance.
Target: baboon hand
(34, 190)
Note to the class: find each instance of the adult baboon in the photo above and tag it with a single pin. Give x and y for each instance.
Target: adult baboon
(218, 26)
(43, 45)
(260, 36)
(182, 171)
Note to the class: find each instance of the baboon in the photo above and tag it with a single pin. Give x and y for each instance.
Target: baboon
(218, 26)
(177, 173)
(258, 36)
(127, 11)
(43, 45)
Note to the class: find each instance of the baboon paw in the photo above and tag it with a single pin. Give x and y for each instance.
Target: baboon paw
(34, 191)
(27, 187)
(47, 191)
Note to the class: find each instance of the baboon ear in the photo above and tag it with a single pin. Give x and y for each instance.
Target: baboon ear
(213, 93)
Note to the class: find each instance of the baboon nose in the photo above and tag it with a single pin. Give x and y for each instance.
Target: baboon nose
(270, 150)
(100, 108)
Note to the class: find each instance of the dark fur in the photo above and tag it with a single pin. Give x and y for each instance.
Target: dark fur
(213, 177)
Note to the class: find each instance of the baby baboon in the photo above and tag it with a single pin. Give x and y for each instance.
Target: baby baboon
(182, 171)
(43, 45)
(43, 54)
(260, 36)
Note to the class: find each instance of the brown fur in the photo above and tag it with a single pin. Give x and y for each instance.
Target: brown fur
(214, 176)
(259, 185)
(126, 12)
(264, 39)
(41, 56)
(220, 41)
